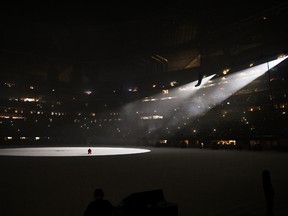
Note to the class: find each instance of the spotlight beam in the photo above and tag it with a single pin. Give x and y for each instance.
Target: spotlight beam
(189, 102)
(158, 106)
(226, 87)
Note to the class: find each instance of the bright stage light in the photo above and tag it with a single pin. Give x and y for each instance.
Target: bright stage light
(189, 102)
(224, 88)
(69, 151)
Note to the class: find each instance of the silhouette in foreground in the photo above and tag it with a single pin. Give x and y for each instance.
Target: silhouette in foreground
(268, 191)
(100, 206)
(146, 203)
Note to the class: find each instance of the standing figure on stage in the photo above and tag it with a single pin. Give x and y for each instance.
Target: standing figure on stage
(89, 151)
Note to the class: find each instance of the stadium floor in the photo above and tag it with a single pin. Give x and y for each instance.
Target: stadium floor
(200, 181)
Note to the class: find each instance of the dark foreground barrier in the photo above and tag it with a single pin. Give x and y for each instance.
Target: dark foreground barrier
(147, 203)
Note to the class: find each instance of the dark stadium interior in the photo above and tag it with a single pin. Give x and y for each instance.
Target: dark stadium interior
(187, 75)
(71, 68)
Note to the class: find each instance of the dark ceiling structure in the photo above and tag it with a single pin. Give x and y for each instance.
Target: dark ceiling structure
(117, 41)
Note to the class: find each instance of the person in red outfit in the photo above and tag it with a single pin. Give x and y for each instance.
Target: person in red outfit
(89, 151)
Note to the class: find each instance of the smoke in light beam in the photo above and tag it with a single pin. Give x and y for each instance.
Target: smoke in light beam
(160, 105)
(177, 94)
(225, 87)
(189, 101)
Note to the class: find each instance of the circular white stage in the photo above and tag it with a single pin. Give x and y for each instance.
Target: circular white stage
(69, 151)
